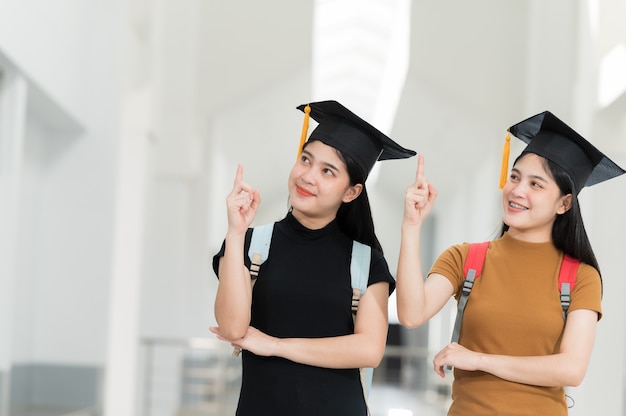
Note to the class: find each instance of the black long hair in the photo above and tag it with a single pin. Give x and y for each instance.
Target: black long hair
(355, 217)
(568, 231)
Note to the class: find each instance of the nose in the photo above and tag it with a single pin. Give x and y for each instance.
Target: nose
(518, 189)
(308, 176)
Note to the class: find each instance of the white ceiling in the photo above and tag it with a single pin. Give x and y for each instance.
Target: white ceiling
(467, 71)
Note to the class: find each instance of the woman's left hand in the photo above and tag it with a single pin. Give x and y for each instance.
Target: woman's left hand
(254, 341)
(456, 355)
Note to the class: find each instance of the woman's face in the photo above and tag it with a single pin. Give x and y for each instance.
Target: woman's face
(318, 184)
(531, 200)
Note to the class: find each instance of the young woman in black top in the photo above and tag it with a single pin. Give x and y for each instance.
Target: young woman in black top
(301, 348)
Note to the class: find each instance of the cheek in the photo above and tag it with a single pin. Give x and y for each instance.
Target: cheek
(506, 191)
(291, 181)
(294, 173)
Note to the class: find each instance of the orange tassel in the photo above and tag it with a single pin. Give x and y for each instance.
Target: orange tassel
(305, 129)
(505, 161)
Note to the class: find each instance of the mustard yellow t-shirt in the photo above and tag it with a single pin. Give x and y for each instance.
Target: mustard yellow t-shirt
(513, 309)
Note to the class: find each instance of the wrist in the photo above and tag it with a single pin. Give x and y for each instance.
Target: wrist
(234, 237)
(482, 362)
(278, 347)
(410, 228)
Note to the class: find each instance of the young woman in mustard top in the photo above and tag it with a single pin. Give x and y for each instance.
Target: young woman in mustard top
(515, 354)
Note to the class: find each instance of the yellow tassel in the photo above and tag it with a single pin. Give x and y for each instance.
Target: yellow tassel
(505, 161)
(305, 129)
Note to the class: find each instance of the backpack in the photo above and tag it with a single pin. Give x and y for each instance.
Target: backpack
(473, 267)
(359, 275)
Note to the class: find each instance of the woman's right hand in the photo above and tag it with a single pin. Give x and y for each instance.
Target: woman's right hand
(242, 204)
(419, 197)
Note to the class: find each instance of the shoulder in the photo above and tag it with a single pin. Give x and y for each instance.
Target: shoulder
(587, 293)
(377, 260)
(588, 275)
(585, 269)
(455, 254)
(379, 270)
(450, 263)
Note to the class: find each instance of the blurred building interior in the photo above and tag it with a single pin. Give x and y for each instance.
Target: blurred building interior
(121, 127)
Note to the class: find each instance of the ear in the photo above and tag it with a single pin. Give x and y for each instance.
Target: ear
(565, 204)
(352, 193)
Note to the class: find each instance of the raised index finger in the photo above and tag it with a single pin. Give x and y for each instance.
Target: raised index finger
(239, 174)
(419, 175)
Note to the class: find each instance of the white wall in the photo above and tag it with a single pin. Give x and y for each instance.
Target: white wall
(49, 41)
(68, 53)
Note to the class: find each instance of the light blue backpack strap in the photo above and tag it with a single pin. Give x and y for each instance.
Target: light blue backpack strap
(360, 266)
(259, 247)
(367, 374)
(359, 274)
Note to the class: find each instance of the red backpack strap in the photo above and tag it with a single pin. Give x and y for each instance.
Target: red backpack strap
(471, 270)
(476, 258)
(567, 281)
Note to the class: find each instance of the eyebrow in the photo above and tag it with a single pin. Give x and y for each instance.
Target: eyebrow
(327, 164)
(541, 178)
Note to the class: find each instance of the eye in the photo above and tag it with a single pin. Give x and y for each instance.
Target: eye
(304, 159)
(535, 184)
(328, 171)
(514, 177)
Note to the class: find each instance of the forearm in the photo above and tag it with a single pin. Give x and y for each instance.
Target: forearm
(234, 293)
(410, 292)
(349, 351)
(550, 370)
(566, 368)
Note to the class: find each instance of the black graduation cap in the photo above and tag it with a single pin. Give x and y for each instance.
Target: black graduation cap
(340, 128)
(549, 137)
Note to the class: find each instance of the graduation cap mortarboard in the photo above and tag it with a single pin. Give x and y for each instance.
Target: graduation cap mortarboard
(549, 137)
(340, 128)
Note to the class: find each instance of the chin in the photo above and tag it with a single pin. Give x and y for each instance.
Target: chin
(510, 223)
(297, 205)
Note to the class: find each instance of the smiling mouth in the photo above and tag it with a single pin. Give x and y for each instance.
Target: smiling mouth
(517, 206)
(303, 191)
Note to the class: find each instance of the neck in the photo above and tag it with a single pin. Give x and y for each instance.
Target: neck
(531, 236)
(310, 222)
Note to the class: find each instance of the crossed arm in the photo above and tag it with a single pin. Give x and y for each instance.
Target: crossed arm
(364, 348)
(565, 368)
